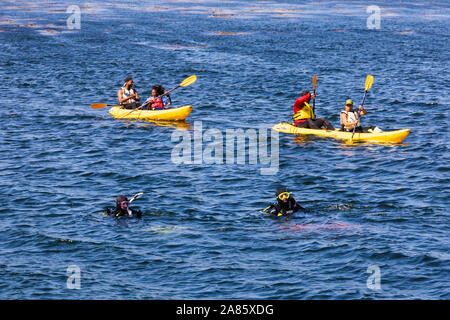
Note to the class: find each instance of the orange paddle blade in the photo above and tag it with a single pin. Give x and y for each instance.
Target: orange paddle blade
(98, 105)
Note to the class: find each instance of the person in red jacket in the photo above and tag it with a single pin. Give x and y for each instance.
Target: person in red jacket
(304, 116)
(155, 102)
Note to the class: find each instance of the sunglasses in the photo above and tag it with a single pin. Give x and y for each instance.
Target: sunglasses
(124, 204)
(284, 195)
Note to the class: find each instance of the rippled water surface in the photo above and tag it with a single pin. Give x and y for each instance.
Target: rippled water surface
(202, 235)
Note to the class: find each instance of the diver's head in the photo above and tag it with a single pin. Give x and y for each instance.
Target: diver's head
(122, 202)
(282, 195)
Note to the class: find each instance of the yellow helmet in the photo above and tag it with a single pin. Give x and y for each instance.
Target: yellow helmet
(349, 102)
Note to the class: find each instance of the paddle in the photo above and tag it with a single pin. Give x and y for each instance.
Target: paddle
(368, 85)
(186, 82)
(100, 105)
(314, 91)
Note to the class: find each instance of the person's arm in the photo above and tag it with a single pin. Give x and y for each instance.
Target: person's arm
(119, 95)
(298, 104)
(362, 111)
(274, 209)
(136, 96)
(344, 118)
(124, 100)
(147, 102)
(297, 206)
(268, 209)
(138, 213)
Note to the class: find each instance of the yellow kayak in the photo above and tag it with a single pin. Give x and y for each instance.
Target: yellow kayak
(395, 136)
(169, 114)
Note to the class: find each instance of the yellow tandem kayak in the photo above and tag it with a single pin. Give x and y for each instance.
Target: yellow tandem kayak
(169, 114)
(395, 136)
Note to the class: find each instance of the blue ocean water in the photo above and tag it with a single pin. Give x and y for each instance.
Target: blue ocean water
(370, 206)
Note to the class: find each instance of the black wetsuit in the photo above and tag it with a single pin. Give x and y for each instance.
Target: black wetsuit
(119, 213)
(285, 208)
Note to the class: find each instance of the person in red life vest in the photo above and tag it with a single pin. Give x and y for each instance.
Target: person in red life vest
(304, 116)
(155, 102)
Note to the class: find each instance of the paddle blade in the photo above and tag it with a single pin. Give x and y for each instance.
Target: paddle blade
(188, 81)
(98, 105)
(369, 81)
(314, 82)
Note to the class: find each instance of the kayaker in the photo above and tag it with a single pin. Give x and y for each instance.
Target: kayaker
(128, 97)
(304, 116)
(350, 118)
(122, 209)
(285, 205)
(156, 102)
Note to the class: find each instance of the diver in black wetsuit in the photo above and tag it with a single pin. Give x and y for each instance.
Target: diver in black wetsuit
(285, 205)
(122, 209)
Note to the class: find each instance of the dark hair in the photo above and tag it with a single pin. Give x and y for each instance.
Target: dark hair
(304, 93)
(128, 79)
(159, 89)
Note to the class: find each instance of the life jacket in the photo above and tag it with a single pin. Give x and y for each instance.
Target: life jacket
(157, 104)
(304, 113)
(126, 93)
(352, 116)
(160, 103)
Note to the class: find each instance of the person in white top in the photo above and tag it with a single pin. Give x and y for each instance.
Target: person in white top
(350, 119)
(128, 97)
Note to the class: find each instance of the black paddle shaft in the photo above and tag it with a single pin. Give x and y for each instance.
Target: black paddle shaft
(362, 103)
(364, 98)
